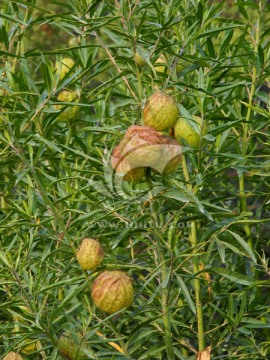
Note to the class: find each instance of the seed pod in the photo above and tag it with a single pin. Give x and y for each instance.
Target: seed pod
(141, 146)
(112, 291)
(64, 66)
(90, 254)
(190, 132)
(139, 59)
(70, 349)
(125, 169)
(181, 65)
(13, 356)
(29, 347)
(161, 64)
(172, 155)
(69, 113)
(160, 111)
(73, 42)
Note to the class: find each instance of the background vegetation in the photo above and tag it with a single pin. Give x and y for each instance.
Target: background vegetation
(196, 243)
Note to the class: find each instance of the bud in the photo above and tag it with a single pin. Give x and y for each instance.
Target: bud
(70, 111)
(160, 111)
(13, 356)
(70, 349)
(124, 169)
(190, 131)
(90, 254)
(112, 291)
(64, 66)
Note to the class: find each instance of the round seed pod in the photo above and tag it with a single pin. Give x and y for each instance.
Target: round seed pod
(139, 59)
(73, 42)
(190, 132)
(161, 64)
(64, 66)
(124, 169)
(141, 146)
(181, 65)
(69, 112)
(70, 349)
(160, 111)
(172, 155)
(90, 254)
(112, 291)
(13, 356)
(29, 347)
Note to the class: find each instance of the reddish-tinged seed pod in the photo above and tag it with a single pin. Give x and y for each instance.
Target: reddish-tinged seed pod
(112, 291)
(124, 169)
(13, 356)
(141, 146)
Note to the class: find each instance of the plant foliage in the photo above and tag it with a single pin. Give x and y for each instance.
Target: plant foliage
(195, 242)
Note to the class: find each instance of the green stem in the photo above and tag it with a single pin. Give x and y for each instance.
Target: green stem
(139, 79)
(166, 311)
(196, 270)
(140, 90)
(164, 289)
(242, 192)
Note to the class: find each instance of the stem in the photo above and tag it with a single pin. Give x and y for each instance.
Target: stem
(164, 290)
(139, 79)
(166, 311)
(140, 91)
(196, 270)
(197, 286)
(242, 193)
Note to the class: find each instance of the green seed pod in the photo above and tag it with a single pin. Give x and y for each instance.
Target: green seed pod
(190, 132)
(112, 291)
(161, 65)
(73, 42)
(64, 66)
(70, 349)
(160, 111)
(139, 60)
(90, 254)
(69, 113)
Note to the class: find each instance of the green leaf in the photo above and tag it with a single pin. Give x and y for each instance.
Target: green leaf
(248, 251)
(233, 276)
(186, 294)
